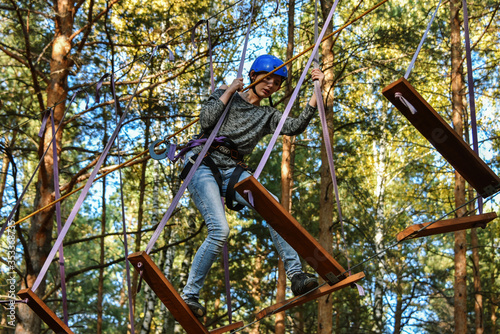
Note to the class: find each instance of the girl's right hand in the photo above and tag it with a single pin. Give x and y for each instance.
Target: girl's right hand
(237, 85)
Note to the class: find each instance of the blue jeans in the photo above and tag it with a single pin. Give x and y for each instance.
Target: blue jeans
(205, 193)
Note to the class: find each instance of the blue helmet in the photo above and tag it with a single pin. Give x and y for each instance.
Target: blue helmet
(267, 63)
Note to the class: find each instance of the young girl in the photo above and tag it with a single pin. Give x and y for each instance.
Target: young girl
(246, 123)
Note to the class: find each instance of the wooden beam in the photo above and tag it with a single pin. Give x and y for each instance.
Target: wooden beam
(293, 233)
(44, 312)
(440, 134)
(228, 328)
(445, 226)
(169, 296)
(324, 290)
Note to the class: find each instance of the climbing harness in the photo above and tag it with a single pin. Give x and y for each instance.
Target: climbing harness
(226, 147)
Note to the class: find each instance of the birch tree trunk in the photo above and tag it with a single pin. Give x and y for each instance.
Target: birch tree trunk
(457, 89)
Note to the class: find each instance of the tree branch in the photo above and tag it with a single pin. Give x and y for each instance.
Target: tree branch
(28, 57)
(89, 24)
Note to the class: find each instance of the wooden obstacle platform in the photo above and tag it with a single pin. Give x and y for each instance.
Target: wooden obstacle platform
(433, 127)
(44, 312)
(293, 233)
(445, 226)
(170, 298)
(322, 291)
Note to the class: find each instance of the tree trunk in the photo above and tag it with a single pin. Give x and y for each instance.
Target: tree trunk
(478, 296)
(457, 89)
(325, 303)
(495, 300)
(287, 163)
(40, 231)
(286, 192)
(326, 201)
(256, 291)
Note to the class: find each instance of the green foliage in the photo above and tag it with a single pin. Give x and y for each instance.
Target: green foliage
(389, 176)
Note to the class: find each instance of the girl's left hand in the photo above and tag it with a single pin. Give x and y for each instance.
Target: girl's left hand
(316, 74)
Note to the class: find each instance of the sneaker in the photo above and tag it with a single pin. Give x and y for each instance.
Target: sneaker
(195, 307)
(302, 283)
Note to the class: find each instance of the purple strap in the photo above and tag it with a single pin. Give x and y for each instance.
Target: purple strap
(472, 100)
(193, 31)
(44, 121)
(199, 159)
(86, 189)
(410, 67)
(196, 142)
(329, 151)
(171, 151)
(184, 185)
(57, 195)
(16, 206)
(289, 106)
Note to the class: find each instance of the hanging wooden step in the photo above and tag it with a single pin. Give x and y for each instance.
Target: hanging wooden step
(437, 131)
(445, 226)
(170, 298)
(44, 312)
(293, 233)
(324, 290)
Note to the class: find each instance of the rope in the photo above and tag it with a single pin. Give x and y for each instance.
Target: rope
(201, 155)
(58, 219)
(295, 93)
(384, 250)
(278, 310)
(161, 46)
(16, 206)
(328, 146)
(353, 267)
(86, 189)
(322, 40)
(196, 120)
(124, 224)
(424, 37)
(103, 175)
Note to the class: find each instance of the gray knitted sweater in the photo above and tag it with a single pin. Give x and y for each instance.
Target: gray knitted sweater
(246, 124)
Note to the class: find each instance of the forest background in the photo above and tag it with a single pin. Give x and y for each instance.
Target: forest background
(389, 176)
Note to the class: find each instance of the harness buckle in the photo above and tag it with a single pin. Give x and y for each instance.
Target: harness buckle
(225, 150)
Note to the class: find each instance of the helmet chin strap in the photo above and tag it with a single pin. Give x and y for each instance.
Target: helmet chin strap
(255, 92)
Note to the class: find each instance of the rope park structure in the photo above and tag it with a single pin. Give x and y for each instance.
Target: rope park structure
(400, 93)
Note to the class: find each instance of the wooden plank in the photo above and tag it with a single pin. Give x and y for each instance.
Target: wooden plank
(440, 134)
(44, 312)
(224, 329)
(170, 297)
(167, 293)
(293, 233)
(324, 290)
(445, 226)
